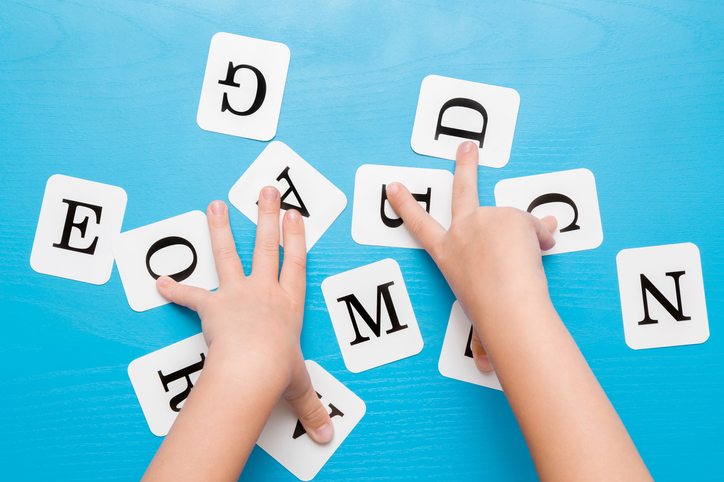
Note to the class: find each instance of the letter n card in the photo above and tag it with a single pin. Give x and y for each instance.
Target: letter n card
(164, 379)
(78, 221)
(456, 358)
(662, 296)
(451, 111)
(569, 196)
(301, 187)
(243, 86)
(285, 439)
(372, 315)
(374, 221)
(178, 247)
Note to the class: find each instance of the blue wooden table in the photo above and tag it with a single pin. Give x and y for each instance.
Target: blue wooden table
(108, 91)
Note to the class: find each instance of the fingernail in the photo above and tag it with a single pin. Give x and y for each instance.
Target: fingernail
(293, 215)
(393, 188)
(269, 193)
(483, 363)
(217, 207)
(163, 281)
(465, 147)
(325, 433)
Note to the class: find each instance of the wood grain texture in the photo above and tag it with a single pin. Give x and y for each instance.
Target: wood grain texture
(108, 91)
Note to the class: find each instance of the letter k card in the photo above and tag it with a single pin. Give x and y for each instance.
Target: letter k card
(164, 378)
(372, 315)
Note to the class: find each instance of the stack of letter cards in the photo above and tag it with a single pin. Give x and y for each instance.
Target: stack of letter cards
(79, 236)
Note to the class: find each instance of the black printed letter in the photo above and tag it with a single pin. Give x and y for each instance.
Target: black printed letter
(183, 373)
(469, 344)
(396, 223)
(450, 131)
(299, 430)
(676, 312)
(165, 243)
(383, 291)
(69, 225)
(260, 89)
(557, 198)
(286, 206)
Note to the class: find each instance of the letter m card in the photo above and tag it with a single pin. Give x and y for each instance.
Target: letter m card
(372, 315)
(77, 224)
(164, 379)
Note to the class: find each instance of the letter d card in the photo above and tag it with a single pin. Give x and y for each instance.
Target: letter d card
(451, 111)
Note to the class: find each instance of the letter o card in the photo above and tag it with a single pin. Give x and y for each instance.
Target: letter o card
(285, 439)
(451, 111)
(163, 380)
(301, 187)
(569, 196)
(372, 315)
(78, 221)
(178, 247)
(373, 219)
(662, 296)
(456, 358)
(243, 86)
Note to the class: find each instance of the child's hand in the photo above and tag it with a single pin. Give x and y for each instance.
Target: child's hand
(490, 257)
(256, 320)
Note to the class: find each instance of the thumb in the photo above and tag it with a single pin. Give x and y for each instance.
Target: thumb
(482, 360)
(184, 295)
(423, 226)
(310, 411)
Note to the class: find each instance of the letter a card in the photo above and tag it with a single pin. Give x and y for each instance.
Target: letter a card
(243, 86)
(451, 111)
(456, 358)
(569, 196)
(373, 219)
(163, 380)
(285, 439)
(662, 296)
(372, 315)
(77, 224)
(178, 247)
(301, 187)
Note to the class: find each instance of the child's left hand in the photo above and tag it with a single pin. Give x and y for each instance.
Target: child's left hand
(256, 320)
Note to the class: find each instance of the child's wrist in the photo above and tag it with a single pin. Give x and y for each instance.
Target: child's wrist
(245, 365)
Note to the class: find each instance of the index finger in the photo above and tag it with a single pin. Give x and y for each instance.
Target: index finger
(465, 183)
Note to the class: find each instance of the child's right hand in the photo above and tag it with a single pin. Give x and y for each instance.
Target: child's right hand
(490, 257)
